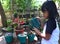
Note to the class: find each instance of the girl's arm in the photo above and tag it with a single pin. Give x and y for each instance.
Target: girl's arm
(50, 27)
(46, 36)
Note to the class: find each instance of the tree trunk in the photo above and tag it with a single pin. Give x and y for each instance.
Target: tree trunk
(3, 17)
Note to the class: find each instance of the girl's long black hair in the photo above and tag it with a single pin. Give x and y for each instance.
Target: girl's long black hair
(53, 13)
(51, 8)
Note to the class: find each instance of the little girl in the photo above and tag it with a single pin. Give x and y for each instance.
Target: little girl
(50, 33)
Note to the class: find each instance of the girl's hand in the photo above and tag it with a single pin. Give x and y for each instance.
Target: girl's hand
(46, 36)
(37, 31)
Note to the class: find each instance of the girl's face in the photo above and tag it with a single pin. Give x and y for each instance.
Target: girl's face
(45, 13)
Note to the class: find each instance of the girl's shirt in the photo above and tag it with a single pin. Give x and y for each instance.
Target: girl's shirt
(50, 28)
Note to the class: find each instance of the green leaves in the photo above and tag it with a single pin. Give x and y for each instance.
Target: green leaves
(6, 4)
(20, 4)
(58, 1)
